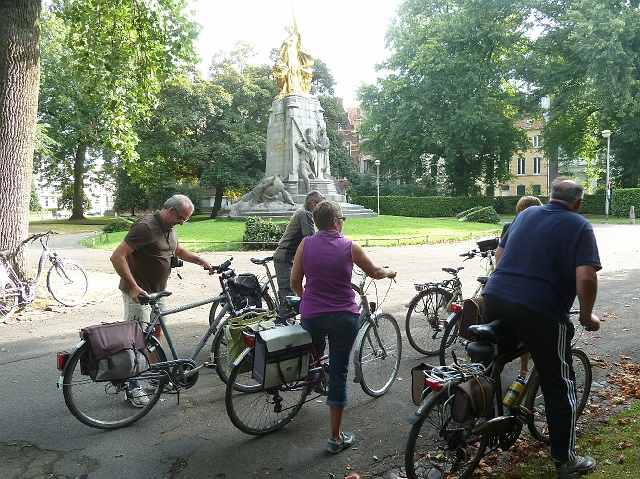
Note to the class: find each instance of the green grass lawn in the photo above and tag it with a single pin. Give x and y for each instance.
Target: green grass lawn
(203, 234)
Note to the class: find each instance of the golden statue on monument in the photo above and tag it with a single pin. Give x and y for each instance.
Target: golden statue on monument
(294, 67)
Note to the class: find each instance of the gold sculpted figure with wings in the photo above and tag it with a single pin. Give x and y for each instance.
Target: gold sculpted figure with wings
(294, 67)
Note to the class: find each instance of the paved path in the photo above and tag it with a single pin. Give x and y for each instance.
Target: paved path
(193, 438)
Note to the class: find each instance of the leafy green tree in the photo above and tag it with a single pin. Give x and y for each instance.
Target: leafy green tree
(236, 134)
(586, 60)
(130, 195)
(103, 65)
(451, 98)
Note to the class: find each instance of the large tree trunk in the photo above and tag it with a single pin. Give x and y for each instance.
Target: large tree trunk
(217, 203)
(19, 86)
(77, 208)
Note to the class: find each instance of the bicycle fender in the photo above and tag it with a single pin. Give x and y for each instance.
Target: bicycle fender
(426, 403)
(64, 369)
(356, 347)
(241, 356)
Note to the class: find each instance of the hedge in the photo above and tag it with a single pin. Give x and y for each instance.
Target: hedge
(447, 207)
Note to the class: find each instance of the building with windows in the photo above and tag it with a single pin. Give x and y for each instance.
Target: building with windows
(529, 167)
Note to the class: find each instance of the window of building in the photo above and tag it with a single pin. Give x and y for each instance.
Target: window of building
(339, 126)
(537, 165)
(536, 189)
(522, 163)
(520, 190)
(536, 141)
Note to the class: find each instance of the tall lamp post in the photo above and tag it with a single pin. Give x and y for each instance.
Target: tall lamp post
(607, 134)
(377, 163)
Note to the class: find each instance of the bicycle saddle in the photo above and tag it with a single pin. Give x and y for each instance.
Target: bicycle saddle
(452, 270)
(261, 260)
(153, 297)
(488, 332)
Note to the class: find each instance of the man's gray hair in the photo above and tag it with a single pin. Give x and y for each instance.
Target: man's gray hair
(564, 189)
(313, 196)
(178, 203)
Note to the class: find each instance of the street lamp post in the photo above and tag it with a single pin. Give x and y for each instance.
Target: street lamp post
(607, 134)
(377, 163)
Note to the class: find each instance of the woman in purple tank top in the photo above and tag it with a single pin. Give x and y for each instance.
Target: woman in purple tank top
(328, 307)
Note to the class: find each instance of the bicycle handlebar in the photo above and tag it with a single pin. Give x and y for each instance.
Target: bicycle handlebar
(221, 268)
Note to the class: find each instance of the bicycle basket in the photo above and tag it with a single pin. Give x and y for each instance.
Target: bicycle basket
(486, 244)
(245, 290)
(472, 398)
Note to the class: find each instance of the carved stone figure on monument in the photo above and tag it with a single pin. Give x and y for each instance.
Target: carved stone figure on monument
(306, 159)
(268, 195)
(321, 145)
(294, 67)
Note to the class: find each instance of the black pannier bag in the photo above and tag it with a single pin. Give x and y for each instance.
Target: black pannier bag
(245, 290)
(116, 351)
(472, 398)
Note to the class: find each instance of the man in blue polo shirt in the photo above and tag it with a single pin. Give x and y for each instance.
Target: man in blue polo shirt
(548, 256)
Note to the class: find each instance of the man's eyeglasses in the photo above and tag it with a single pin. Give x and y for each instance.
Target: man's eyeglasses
(343, 218)
(184, 220)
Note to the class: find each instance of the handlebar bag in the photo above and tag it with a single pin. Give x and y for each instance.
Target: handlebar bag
(246, 290)
(116, 351)
(472, 398)
(471, 314)
(281, 355)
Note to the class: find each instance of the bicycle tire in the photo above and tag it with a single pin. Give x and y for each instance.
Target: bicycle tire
(451, 342)
(9, 299)
(535, 400)
(440, 447)
(260, 411)
(104, 405)
(379, 353)
(426, 312)
(67, 281)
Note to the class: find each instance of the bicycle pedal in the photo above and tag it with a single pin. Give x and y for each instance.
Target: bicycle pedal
(524, 414)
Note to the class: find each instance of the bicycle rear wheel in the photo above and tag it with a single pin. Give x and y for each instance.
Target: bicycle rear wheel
(427, 310)
(535, 400)
(378, 354)
(67, 282)
(9, 296)
(439, 447)
(105, 405)
(260, 411)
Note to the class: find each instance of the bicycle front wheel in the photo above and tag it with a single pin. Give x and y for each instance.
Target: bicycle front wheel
(260, 411)
(9, 296)
(67, 282)
(379, 354)
(106, 405)
(535, 401)
(439, 447)
(424, 322)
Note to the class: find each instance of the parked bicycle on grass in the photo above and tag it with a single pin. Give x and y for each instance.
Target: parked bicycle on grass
(107, 404)
(67, 281)
(430, 308)
(462, 416)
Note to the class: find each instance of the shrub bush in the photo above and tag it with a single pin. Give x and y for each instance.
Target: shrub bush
(118, 224)
(260, 233)
(484, 215)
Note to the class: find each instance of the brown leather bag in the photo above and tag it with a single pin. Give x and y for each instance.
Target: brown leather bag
(471, 314)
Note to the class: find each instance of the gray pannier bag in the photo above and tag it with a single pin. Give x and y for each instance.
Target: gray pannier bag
(281, 355)
(116, 351)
